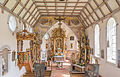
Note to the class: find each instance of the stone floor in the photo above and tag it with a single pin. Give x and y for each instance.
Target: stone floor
(61, 72)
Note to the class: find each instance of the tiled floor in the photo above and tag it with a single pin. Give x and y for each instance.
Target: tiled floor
(61, 72)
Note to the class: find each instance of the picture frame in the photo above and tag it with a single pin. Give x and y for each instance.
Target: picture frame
(102, 53)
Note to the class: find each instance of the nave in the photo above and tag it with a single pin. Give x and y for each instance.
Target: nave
(60, 38)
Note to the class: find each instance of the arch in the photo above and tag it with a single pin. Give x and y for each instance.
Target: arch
(111, 40)
(5, 46)
(97, 40)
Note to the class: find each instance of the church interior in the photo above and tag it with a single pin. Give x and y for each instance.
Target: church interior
(60, 38)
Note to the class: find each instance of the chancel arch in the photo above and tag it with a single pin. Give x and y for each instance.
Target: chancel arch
(67, 44)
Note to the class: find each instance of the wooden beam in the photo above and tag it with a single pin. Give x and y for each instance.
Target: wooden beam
(36, 19)
(60, 15)
(8, 10)
(90, 14)
(99, 7)
(15, 5)
(94, 11)
(75, 7)
(87, 17)
(59, 2)
(46, 6)
(83, 18)
(61, 9)
(55, 7)
(60, 6)
(31, 13)
(36, 6)
(108, 15)
(23, 7)
(61, 12)
(65, 6)
(33, 17)
(118, 2)
(6, 1)
(107, 5)
(27, 11)
(82, 22)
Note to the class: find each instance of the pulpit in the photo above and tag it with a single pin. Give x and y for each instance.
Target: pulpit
(32, 54)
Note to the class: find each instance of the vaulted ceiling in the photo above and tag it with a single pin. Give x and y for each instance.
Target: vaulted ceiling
(88, 12)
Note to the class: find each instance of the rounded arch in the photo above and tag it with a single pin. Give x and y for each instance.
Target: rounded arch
(5, 46)
(97, 40)
(69, 32)
(63, 24)
(111, 21)
(111, 40)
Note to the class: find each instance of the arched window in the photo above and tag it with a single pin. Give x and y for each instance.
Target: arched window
(111, 40)
(46, 36)
(97, 41)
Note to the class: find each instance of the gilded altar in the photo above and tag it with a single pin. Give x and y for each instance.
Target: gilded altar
(58, 39)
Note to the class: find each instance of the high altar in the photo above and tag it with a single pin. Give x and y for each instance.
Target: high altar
(58, 44)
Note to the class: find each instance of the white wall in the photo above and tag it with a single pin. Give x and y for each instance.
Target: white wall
(106, 69)
(8, 40)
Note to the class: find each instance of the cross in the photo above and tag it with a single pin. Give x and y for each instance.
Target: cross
(59, 19)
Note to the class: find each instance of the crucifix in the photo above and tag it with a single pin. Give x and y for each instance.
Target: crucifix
(59, 19)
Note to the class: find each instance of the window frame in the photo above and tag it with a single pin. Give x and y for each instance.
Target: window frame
(107, 41)
(99, 41)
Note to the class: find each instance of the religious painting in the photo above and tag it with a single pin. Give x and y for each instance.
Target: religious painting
(71, 37)
(91, 51)
(102, 53)
(71, 45)
(59, 44)
(13, 55)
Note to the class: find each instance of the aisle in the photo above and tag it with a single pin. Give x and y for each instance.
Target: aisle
(61, 72)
